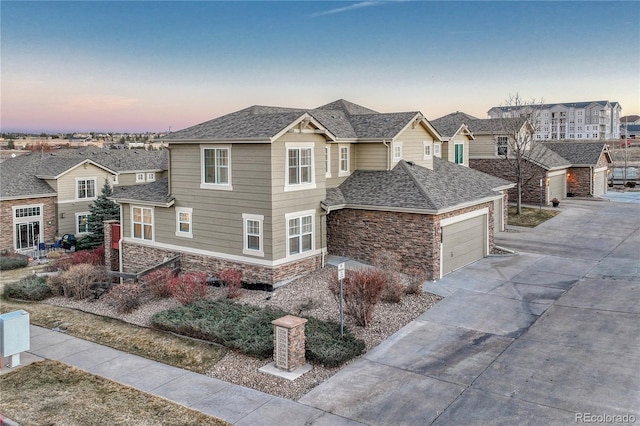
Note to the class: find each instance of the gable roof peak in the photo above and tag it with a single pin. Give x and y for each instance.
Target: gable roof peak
(347, 107)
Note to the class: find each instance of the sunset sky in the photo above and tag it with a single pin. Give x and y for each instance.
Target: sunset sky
(160, 65)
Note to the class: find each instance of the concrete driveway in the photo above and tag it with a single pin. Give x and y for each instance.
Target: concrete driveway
(548, 336)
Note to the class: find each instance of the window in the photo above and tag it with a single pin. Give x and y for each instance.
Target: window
(85, 188)
(436, 149)
(344, 161)
(142, 223)
(183, 222)
(151, 176)
(502, 146)
(397, 151)
(82, 223)
(139, 177)
(252, 225)
(459, 153)
(216, 168)
(299, 166)
(27, 211)
(427, 150)
(299, 233)
(327, 161)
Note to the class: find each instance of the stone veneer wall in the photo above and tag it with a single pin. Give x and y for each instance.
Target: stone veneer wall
(6, 224)
(111, 259)
(579, 181)
(497, 167)
(359, 234)
(138, 257)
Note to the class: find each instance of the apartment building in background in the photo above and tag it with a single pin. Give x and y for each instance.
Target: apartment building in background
(591, 120)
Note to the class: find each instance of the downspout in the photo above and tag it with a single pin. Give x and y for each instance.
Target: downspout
(385, 143)
(591, 177)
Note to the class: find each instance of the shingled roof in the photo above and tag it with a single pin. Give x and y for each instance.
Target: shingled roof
(155, 193)
(412, 187)
(345, 120)
(450, 123)
(23, 176)
(578, 153)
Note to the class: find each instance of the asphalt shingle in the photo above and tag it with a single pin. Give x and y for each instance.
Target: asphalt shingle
(153, 192)
(578, 153)
(409, 186)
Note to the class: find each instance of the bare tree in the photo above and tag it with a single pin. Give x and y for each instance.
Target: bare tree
(514, 133)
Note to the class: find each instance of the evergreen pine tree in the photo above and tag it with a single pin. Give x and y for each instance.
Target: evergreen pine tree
(102, 209)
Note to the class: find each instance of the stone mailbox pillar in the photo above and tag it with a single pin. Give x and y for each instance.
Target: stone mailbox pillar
(288, 342)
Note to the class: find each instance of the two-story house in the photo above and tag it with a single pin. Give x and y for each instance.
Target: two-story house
(273, 190)
(46, 195)
(493, 151)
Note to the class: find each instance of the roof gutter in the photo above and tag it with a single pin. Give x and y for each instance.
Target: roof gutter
(25, 197)
(413, 209)
(143, 203)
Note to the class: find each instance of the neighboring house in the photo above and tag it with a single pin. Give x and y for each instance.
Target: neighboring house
(547, 174)
(46, 195)
(630, 131)
(591, 120)
(273, 190)
(456, 138)
(589, 171)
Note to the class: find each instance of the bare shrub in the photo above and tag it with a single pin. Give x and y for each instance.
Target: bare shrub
(362, 291)
(389, 263)
(125, 297)
(188, 288)
(232, 280)
(56, 284)
(415, 277)
(158, 282)
(77, 280)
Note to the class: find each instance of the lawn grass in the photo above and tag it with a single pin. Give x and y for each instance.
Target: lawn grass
(52, 393)
(530, 217)
(190, 354)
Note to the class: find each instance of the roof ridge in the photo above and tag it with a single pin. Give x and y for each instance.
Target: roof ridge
(406, 166)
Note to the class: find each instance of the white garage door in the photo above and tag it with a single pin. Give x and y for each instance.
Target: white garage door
(463, 242)
(599, 187)
(556, 187)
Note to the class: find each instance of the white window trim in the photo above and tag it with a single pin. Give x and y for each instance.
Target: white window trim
(179, 233)
(396, 151)
(78, 214)
(258, 218)
(151, 176)
(139, 177)
(299, 186)
(295, 215)
(95, 188)
(220, 186)
(425, 145)
(26, 219)
(328, 162)
(341, 172)
(437, 150)
(153, 224)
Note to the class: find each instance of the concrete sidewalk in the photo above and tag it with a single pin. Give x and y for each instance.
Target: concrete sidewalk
(235, 404)
(533, 338)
